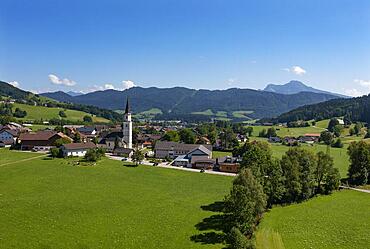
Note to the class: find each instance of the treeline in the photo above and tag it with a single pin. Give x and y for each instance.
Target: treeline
(264, 181)
(355, 109)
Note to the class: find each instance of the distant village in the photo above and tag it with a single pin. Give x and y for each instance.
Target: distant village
(122, 141)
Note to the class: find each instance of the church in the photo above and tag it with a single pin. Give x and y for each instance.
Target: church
(120, 141)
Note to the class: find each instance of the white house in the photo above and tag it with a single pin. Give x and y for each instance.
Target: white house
(8, 135)
(77, 149)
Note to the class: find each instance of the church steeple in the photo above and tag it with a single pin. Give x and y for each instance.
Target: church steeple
(127, 110)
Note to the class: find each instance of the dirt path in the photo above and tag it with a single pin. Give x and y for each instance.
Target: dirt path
(356, 189)
(23, 160)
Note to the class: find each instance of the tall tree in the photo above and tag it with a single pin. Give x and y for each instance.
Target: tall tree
(246, 202)
(187, 136)
(359, 168)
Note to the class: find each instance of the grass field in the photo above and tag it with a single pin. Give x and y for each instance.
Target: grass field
(217, 154)
(340, 220)
(47, 113)
(53, 204)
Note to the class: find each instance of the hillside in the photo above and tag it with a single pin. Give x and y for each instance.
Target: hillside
(44, 108)
(47, 113)
(178, 101)
(356, 109)
(295, 86)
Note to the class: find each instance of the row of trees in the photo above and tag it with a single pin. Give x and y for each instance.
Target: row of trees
(7, 110)
(264, 181)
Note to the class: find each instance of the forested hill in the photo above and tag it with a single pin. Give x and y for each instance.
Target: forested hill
(356, 109)
(183, 101)
(13, 92)
(24, 97)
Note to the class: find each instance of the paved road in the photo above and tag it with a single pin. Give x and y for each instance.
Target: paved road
(165, 165)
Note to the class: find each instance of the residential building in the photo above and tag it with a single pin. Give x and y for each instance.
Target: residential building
(40, 141)
(166, 149)
(228, 164)
(76, 149)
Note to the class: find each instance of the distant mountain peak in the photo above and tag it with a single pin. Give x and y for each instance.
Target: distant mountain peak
(295, 86)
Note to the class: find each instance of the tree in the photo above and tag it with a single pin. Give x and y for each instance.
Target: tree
(351, 131)
(262, 133)
(326, 137)
(237, 240)
(337, 144)
(257, 156)
(359, 168)
(60, 141)
(171, 136)
(357, 128)
(274, 183)
(54, 152)
(137, 157)
(87, 119)
(187, 136)
(249, 131)
(367, 135)
(298, 167)
(337, 130)
(77, 138)
(332, 123)
(326, 176)
(271, 132)
(246, 202)
(62, 114)
(19, 113)
(93, 155)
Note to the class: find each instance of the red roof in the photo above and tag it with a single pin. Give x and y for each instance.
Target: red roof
(312, 135)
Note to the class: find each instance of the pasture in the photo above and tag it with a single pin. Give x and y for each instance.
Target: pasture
(48, 203)
(47, 113)
(340, 220)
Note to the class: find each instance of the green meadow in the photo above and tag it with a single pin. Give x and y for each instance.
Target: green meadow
(47, 113)
(340, 220)
(48, 203)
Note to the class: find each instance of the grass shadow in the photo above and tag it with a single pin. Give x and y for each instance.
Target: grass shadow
(214, 228)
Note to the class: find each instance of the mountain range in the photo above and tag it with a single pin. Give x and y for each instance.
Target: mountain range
(177, 101)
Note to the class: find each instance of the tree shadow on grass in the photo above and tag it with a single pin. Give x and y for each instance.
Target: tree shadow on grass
(214, 228)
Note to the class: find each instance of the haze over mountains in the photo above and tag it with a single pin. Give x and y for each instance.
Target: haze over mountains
(184, 101)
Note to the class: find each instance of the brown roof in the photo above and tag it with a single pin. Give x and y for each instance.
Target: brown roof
(78, 146)
(41, 135)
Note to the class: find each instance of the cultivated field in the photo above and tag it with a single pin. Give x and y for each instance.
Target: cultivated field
(47, 113)
(55, 204)
(340, 220)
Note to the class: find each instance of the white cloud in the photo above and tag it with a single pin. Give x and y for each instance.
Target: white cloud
(296, 70)
(14, 83)
(365, 83)
(109, 86)
(353, 92)
(127, 84)
(57, 81)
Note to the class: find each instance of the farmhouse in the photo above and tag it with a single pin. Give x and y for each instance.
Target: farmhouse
(228, 164)
(125, 152)
(8, 135)
(40, 141)
(309, 138)
(164, 149)
(76, 149)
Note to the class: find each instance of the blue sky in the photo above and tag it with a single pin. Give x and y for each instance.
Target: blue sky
(88, 45)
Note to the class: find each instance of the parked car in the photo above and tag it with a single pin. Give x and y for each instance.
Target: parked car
(124, 159)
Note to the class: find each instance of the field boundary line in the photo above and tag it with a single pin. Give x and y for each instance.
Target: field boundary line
(22, 160)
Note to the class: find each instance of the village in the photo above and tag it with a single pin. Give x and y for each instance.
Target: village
(119, 143)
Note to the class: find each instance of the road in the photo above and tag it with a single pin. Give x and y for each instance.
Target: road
(165, 165)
